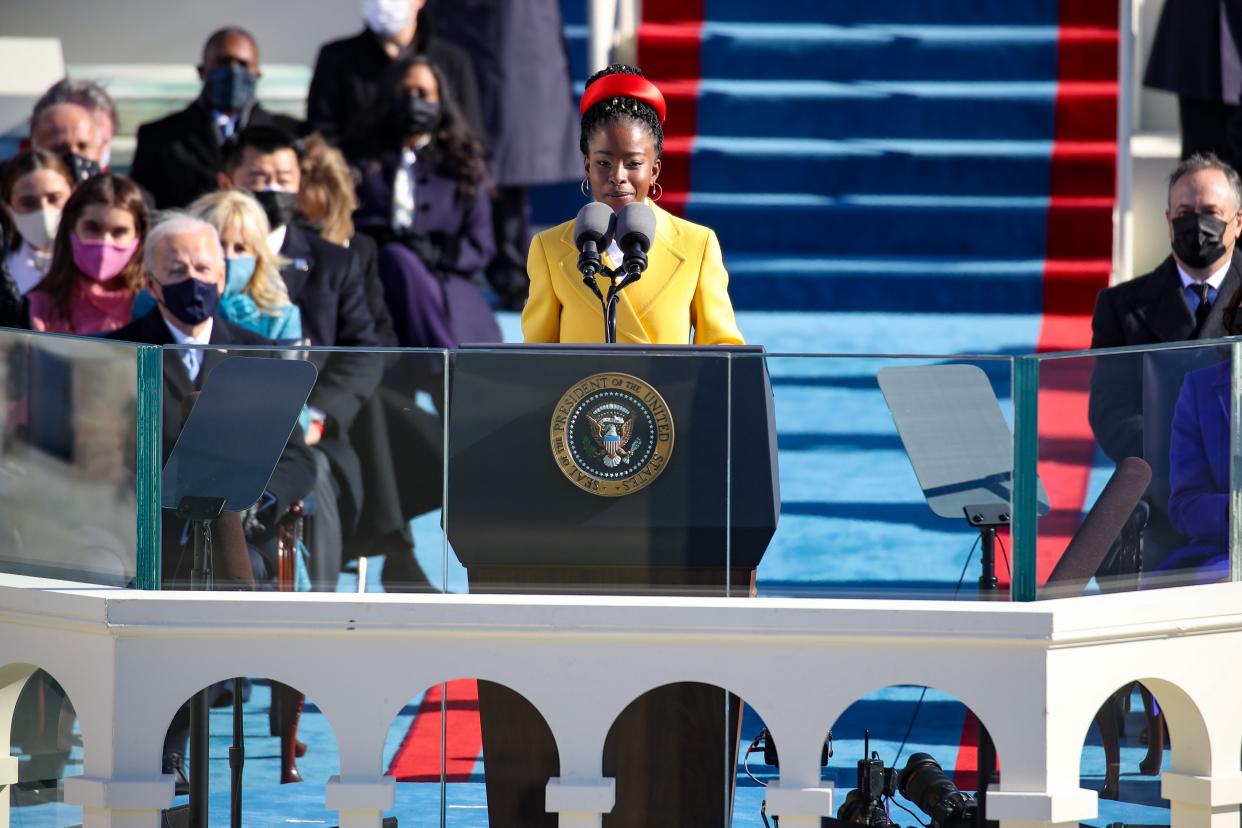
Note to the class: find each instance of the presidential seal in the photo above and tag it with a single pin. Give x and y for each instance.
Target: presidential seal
(612, 434)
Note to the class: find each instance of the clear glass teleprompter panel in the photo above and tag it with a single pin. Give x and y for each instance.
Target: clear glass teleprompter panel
(68, 450)
(353, 502)
(1135, 447)
(878, 460)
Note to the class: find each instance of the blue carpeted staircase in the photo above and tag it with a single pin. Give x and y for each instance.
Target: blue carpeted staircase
(902, 143)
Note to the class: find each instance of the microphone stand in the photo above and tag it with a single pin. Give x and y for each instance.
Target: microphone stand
(618, 279)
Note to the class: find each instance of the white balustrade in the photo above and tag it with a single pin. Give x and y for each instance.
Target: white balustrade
(1035, 674)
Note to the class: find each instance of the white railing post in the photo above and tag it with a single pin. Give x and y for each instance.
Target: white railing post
(602, 17)
(614, 32)
(628, 17)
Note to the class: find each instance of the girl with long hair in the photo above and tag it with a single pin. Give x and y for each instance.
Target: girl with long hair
(96, 268)
(34, 186)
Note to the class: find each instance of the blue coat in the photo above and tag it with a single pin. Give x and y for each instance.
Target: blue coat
(1199, 473)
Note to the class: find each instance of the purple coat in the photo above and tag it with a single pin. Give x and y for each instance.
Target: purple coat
(466, 224)
(1199, 473)
(434, 304)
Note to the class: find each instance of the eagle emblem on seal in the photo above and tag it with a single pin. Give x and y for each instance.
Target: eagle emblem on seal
(612, 433)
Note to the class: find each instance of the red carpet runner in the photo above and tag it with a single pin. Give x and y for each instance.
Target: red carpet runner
(1079, 259)
(418, 757)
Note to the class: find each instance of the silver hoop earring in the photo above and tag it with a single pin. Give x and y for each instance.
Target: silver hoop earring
(585, 187)
(657, 190)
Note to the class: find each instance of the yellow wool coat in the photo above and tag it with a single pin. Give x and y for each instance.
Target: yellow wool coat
(681, 298)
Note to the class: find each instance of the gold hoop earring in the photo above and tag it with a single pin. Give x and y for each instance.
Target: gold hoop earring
(657, 190)
(585, 188)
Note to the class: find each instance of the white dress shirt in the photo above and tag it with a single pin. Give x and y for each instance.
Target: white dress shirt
(191, 358)
(27, 267)
(403, 192)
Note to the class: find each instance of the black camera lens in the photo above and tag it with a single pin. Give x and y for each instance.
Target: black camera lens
(924, 783)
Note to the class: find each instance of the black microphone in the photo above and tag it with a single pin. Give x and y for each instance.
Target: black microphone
(636, 226)
(592, 231)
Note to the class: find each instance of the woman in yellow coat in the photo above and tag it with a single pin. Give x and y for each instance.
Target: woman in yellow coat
(683, 295)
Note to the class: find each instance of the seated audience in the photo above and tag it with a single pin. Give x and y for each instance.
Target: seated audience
(68, 130)
(95, 99)
(424, 198)
(349, 78)
(399, 444)
(327, 201)
(325, 281)
(178, 157)
(255, 297)
(96, 268)
(34, 186)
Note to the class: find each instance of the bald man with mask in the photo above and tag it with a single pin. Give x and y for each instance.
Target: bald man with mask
(178, 157)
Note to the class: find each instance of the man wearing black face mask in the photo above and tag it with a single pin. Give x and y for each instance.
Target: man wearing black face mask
(1182, 299)
(178, 157)
(68, 130)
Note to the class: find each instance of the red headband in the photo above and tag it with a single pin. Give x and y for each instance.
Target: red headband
(624, 86)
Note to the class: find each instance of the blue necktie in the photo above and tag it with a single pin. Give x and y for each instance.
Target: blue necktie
(1200, 289)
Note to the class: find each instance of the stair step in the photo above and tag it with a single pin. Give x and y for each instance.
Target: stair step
(889, 166)
(873, 51)
(927, 226)
(979, 12)
(895, 109)
(777, 281)
(881, 167)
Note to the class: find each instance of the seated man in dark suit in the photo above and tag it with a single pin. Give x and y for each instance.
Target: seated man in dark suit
(185, 273)
(178, 157)
(326, 282)
(1181, 299)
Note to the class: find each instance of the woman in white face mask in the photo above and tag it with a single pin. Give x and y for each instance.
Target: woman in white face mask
(34, 187)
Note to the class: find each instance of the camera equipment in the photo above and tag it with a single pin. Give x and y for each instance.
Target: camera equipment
(865, 804)
(924, 783)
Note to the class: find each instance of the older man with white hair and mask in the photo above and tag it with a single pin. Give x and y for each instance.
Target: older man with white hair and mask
(184, 265)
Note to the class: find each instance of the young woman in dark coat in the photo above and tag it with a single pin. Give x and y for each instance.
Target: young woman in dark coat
(423, 196)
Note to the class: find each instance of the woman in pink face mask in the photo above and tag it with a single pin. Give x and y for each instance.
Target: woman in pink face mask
(96, 260)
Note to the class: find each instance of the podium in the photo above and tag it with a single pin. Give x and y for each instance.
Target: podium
(643, 470)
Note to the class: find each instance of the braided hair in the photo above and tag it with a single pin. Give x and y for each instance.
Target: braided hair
(620, 109)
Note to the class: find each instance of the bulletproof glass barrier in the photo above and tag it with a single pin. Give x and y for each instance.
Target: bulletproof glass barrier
(1137, 447)
(75, 470)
